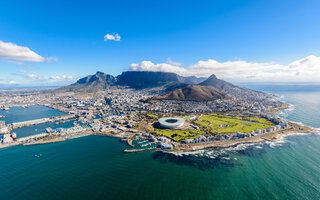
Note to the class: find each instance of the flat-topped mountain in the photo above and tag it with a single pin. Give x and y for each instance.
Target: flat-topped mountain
(146, 79)
(132, 79)
(173, 85)
(193, 93)
(149, 79)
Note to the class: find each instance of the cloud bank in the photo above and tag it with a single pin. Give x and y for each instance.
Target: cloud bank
(10, 82)
(62, 78)
(304, 70)
(9, 50)
(114, 37)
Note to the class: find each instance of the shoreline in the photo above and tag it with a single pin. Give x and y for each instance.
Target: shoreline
(271, 137)
(48, 141)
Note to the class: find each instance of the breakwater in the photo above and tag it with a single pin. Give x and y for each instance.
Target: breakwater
(140, 150)
(41, 121)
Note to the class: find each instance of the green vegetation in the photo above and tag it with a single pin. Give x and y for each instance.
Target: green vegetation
(152, 116)
(220, 124)
(178, 135)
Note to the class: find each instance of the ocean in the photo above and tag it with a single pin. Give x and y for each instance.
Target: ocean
(94, 167)
(18, 114)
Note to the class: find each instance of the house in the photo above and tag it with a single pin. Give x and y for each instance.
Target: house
(165, 145)
(226, 137)
(188, 141)
(202, 138)
(240, 135)
(210, 139)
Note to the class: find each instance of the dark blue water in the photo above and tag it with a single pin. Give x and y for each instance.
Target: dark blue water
(94, 167)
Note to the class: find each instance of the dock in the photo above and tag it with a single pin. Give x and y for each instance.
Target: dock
(41, 121)
(140, 150)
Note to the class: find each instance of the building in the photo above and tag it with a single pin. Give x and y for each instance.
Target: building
(2, 124)
(171, 123)
(165, 145)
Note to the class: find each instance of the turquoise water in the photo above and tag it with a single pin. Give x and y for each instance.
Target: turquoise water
(18, 114)
(94, 167)
(40, 128)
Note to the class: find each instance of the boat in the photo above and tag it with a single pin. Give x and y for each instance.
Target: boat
(5, 108)
(14, 136)
(1, 116)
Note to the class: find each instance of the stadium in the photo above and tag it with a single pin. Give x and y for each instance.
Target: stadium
(171, 123)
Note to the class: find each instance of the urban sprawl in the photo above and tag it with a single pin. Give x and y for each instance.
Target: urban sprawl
(126, 113)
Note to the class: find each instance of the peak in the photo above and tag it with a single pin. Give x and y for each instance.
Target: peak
(98, 72)
(212, 77)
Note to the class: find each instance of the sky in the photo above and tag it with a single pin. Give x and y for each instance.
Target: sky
(53, 43)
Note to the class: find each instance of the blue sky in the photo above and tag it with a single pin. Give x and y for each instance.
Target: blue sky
(273, 38)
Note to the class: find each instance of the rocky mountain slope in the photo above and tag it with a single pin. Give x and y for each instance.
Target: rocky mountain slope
(193, 93)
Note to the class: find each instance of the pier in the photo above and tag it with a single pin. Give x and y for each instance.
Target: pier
(41, 121)
(140, 150)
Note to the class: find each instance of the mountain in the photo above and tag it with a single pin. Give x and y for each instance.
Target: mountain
(192, 80)
(193, 93)
(98, 81)
(239, 93)
(146, 79)
(217, 83)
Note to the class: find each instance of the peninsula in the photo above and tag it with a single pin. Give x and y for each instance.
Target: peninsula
(152, 111)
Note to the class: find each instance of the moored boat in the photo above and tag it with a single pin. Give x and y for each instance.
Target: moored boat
(14, 136)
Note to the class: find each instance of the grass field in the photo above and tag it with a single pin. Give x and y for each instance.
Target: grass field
(221, 124)
(152, 116)
(178, 135)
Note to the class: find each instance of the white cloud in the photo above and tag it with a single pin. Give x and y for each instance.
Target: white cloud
(173, 63)
(303, 70)
(49, 79)
(10, 50)
(161, 67)
(114, 37)
(8, 82)
(33, 76)
(13, 61)
(50, 59)
(61, 78)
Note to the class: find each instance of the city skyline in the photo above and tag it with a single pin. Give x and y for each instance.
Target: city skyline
(237, 41)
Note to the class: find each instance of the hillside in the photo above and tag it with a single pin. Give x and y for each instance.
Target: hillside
(217, 83)
(193, 93)
(98, 81)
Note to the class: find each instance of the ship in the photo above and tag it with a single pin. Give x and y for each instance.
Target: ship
(5, 108)
(14, 136)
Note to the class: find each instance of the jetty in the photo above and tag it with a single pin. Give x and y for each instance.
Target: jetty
(140, 150)
(41, 121)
